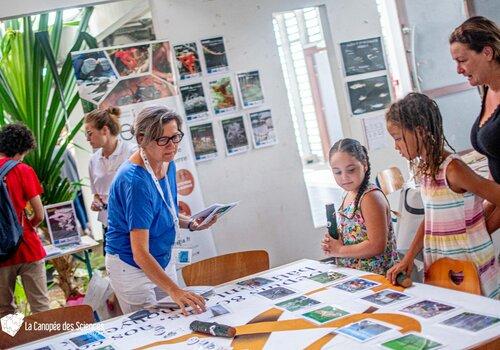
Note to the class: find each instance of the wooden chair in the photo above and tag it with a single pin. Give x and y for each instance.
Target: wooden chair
(390, 180)
(225, 268)
(72, 316)
(454, 274)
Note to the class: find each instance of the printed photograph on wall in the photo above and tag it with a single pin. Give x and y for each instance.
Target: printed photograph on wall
(195, 104)
(369, 95)
(162, 61)
(263, 133)
(235, 135)
(188, 61)
(94, 75)
(362, 56)
(250, 89)
(214, 53)
(138, 89)
(203, 139)
(222, 96)
(130, 60)
(62, 223)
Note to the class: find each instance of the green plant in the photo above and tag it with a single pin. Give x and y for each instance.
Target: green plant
(34, 91)
(38, 93)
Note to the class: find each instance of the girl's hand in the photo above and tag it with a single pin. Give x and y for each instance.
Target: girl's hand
(184, 299)
(405, 265)
(331, 246)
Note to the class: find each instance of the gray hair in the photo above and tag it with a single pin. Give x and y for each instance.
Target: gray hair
(150, 121)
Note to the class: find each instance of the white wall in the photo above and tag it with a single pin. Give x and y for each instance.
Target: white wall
(274, 212)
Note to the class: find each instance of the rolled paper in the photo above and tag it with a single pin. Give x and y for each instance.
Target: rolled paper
(213, 328)
(403, 280)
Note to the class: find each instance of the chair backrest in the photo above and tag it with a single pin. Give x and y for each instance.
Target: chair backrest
(71, 316)
(454, 274)
(225, 268)
(390, 180)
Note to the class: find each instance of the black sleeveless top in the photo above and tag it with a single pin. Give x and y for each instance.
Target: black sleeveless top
(486, 139)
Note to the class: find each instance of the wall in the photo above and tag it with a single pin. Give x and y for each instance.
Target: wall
(274, 211)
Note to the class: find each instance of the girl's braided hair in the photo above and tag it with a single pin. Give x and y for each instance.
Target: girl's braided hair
(358, 151)
(417, 112)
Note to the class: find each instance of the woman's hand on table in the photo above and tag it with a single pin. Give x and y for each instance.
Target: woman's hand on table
(184, 299)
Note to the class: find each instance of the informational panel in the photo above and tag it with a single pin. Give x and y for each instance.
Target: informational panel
(362, 56)
(369, 95)
(133, 77)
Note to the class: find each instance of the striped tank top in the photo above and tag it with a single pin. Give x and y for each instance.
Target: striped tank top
(455, 228)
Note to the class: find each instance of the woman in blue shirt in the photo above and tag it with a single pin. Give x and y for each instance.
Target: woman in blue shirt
(143, 217)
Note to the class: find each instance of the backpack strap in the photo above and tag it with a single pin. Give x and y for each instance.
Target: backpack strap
(7, 167)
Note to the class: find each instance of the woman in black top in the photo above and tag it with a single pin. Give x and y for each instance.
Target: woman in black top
(475, 46)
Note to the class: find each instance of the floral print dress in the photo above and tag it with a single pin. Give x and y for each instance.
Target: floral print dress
(352, 230)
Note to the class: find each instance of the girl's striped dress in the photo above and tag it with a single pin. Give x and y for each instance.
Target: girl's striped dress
(455, 228)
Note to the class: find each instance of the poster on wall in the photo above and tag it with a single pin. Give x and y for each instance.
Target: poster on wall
(131, 60)
(250, 89)
(195, 104)
(94, 75)
(263, 133)
(132, 90)
(222, 96)
(375, 132)
(214, 53)
(369, 95)
(188, 60)
(235, 135)
(130, 75)
(203, 139)
(362, 56)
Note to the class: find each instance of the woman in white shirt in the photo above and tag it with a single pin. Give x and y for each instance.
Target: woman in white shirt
(102, 127)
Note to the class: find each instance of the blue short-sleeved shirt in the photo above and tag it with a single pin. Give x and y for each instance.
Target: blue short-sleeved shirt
(134, 203)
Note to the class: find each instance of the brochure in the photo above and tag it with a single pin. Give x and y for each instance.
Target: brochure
(211, 211)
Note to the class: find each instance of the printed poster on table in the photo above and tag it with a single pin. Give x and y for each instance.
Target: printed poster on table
(188, 61)
(214, 53)
(235, 135)
(362, 56)
(203, 139)
(250, 89)
(222, 96)
(195, 104)
(263, 133)
(133, 77)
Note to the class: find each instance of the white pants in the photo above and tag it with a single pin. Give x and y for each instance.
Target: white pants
(132, 287)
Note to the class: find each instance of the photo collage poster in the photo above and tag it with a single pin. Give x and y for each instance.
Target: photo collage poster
(133, 77)
(211, 95)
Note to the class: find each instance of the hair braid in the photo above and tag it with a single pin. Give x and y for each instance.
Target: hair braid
(366, 179)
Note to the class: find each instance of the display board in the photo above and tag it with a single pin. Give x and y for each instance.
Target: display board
(133, 77)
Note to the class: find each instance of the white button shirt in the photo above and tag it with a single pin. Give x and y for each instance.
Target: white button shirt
(102, 171)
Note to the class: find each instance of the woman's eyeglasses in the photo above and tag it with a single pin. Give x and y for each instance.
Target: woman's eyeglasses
(164, 140)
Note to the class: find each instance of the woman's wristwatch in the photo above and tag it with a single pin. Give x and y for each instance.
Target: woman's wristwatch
(189, 225)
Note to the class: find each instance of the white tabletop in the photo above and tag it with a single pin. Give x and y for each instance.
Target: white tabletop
(260, 323)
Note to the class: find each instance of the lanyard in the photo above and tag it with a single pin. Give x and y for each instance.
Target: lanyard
(171, 208)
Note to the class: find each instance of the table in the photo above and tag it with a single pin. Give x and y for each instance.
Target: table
(86, 245)
(261, 324)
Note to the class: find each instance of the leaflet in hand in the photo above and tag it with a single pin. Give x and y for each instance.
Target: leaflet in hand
(211, 211)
